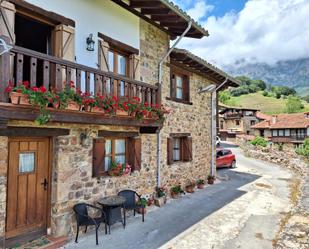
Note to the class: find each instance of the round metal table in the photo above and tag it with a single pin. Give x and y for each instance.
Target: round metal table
(112, 207)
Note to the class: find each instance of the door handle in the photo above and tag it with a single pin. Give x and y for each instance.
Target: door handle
(45, 184)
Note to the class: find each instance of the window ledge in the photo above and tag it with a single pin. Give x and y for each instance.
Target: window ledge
(186, 102)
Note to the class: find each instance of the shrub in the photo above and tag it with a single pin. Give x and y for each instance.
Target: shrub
(259, 141)
(303, 149)
(293, 105)
(265, 93)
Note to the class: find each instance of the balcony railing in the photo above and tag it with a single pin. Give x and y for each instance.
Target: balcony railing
(22, 64)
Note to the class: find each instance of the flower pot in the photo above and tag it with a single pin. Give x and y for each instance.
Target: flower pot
(73, 106)
(210, 181)
(200, 186)
(122, 113)
(174, 195)
(19, 98)
(141, 210)
(56, 105)
(96, 109)
(190, 189)
(160, 201)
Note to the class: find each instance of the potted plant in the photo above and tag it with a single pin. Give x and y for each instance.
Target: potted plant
(176, 191)
(19, 94)
(150, 201)
(74, 97)
(160, 198)
(200, 183)
(211, 179)
(38, 96)
(143, 203)
(119, 169)
(190, 187)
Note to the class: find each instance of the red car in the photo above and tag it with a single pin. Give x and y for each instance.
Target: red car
(225, 158)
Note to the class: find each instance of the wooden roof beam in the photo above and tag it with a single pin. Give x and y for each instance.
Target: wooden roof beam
(144, 4)
(155, 11)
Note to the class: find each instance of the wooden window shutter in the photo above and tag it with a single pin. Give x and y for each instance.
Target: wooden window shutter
(186, 88)
(170, 150)
(7, 20)
(173, 85)
(64, 42)
(98, 157)
(103, 48)
(134, 153)
(134, 67)
(187, 149)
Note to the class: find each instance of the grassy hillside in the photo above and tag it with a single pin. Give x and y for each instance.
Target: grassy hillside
(302, 91)
(268, 105)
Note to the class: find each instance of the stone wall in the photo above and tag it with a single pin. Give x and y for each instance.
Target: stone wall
(73, 181)
(287, 158)
(3, 181)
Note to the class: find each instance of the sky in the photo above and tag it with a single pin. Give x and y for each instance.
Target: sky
(249, 31)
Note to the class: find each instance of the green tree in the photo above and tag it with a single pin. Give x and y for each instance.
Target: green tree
(224, 96)
(293, 105)
(306, 98)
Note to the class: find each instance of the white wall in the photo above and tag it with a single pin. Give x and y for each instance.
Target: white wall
(93, 16)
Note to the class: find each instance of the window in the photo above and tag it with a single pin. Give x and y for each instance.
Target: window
(237, 122)
(252, 122)
(118, 63)
(114, 149)
(180, 88)
(179, 148)
(281, 133)
(221, 125)
(275, 133)
(287, 132)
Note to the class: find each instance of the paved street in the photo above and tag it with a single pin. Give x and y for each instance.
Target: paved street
(241, 211)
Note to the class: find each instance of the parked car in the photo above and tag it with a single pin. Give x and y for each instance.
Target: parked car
(225, 158)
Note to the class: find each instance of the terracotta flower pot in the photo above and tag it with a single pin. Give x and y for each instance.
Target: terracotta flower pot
(200, 186)
(56, 105)
(122, 113)
(97, 109)
(141, 210)
(73, 106)
(190, 189)
(174, 195)
(19, 98)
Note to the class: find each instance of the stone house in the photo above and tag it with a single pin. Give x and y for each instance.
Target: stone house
(235, 121)
(289, 129)
(109, 47)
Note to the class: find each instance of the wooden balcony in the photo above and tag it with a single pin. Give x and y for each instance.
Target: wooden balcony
(43, 70)
(290, 139)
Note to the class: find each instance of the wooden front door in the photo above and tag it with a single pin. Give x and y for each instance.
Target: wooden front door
(28, 189)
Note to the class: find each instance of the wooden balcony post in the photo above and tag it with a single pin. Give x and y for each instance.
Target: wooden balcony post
(4, 74)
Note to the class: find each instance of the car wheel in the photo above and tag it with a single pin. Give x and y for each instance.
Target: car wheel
(233, 165)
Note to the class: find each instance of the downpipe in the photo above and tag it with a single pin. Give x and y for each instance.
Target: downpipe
(160, 82)
(214, 127)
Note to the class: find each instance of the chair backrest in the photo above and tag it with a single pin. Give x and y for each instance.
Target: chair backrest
(130, 196)
(80, 210)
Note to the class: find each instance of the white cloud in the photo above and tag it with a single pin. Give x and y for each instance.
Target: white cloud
(264, 31)
(200, 10)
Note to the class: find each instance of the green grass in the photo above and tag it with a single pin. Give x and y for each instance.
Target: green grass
(302, 91)
(268, 105)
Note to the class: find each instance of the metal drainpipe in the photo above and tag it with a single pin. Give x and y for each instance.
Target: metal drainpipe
(160, 82)
(214, 127)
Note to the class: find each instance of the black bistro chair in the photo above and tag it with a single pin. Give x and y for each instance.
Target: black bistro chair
(83, 219)
(132, 199)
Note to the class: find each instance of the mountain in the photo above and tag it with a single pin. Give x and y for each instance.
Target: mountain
(291, 73)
